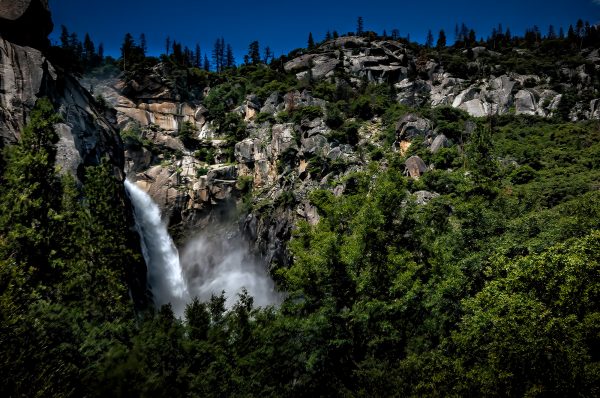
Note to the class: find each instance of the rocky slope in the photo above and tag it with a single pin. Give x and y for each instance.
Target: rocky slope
(27, 74)
(282, 161)
(423, 80)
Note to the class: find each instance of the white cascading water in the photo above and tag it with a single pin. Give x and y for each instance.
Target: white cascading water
(209, 265)
(165, 276)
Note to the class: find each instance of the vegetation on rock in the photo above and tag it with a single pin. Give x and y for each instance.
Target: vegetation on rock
(477, 276)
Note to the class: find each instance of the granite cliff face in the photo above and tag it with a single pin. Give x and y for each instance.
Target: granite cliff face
(26, 74)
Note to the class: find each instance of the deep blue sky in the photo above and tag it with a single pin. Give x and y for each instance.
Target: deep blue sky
(284, 25)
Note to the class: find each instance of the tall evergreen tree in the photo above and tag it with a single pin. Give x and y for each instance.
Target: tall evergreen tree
(28, 190)
(441, 41)
(360, 30)
(89, 50)
(268, 55)
(429, 40)
(64, 37)
(219, 55)
(198, 57)
(143, 45)
(254, 53)
(229, 57)
(311, 41)
(127, 49)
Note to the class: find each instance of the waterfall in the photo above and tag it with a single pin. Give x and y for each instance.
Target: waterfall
(165, 276)
(209, 264)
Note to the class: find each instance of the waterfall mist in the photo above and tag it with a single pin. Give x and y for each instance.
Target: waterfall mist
(216, 260)
(212, 264)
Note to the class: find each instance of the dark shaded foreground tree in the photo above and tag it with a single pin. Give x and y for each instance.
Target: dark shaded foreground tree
(65, 255)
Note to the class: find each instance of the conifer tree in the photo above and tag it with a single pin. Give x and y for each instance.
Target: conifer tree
(64, 37)
(143, 45)
(229, 58)
(89, 50)
(429, 41)
(254, 53)
(311, 42)
(268, 55)
(441, 42)
(28, 190)
(198, 57)
(360, 26)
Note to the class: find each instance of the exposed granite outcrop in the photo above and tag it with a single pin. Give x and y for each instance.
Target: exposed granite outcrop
(85, 134)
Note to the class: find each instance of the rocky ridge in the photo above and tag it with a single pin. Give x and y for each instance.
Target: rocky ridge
(420, 81)
(282, 162)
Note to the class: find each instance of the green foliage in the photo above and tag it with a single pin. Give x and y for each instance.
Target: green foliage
(540, 313)
(68, 262)
(221, 99)
(347, 133)
(234, 127)
(187, 133)
(489, 288)
(205, 155)
(245, 183)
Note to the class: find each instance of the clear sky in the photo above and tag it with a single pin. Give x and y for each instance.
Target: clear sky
(284, 25)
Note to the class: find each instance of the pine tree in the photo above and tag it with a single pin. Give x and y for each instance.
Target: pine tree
(127, 49)
(219, 55)
(360, 26)
(143, 45)
(311, 42)
(206, 63)
(472, 39)
(395, 34)
(441, 42)
(64, 37)
(197, 57)
(254, 53)
(328, 36)
(89, 50)
(268, 55)
(229, 58)
(28, 190)
(429, 41)
(187, 56)
(167, 46)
